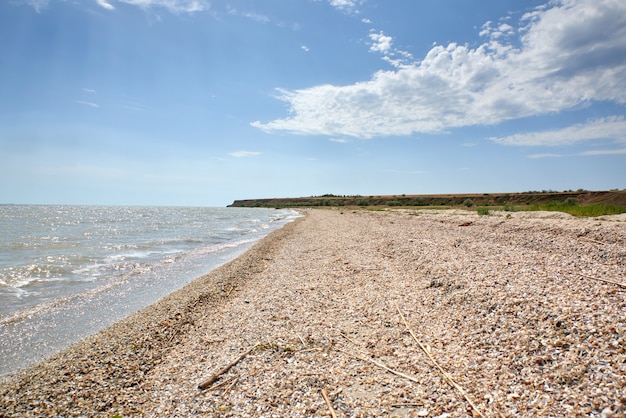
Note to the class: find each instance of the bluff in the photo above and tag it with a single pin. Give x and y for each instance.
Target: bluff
(612, 197)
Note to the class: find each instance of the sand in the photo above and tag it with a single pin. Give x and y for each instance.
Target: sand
(360, 313)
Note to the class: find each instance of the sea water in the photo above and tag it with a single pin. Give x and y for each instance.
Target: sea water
(67, 272)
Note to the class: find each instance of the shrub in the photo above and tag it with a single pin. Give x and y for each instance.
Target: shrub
(468, 202)
(483, 211)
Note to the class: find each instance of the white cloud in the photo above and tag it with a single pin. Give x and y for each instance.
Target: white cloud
(381, 42)
(605, 152)
(105, 4)
(174, 6)
(259, 18)
(38, 5)
(504, 29)
(567, 54)
(305, 48)
(242, 154)
(598, 129)
(89, 91)
(90, 104)
(590, 153)
(344, 5)
(537, 156)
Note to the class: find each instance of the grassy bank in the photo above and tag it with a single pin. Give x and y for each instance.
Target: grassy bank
(578, 203)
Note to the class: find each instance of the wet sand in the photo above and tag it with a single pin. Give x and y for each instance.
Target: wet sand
(361, 313)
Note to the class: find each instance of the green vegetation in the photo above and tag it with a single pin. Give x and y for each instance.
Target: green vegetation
(483, 211)
(578, 203)
(592, 210)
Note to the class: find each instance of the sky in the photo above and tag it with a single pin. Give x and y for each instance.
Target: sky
(199, 103)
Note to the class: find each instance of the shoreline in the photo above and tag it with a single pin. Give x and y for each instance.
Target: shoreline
(502, 303)
(142, 338)
(105, 280)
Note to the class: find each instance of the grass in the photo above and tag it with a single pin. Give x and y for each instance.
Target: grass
(596, 209)
(569, 205)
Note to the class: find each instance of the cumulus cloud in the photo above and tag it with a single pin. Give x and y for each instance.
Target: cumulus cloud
(566, 54)
(344, 5)
(495, 32)
(613, 127)
(380, 42)
(242, 154)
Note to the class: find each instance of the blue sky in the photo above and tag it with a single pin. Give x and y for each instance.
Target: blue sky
(192, 102)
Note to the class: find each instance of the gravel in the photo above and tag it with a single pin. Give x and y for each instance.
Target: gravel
(416, 313)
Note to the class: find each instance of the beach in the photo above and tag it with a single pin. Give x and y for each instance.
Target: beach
(416, 313)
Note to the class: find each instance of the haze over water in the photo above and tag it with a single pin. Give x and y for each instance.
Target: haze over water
(67, 272)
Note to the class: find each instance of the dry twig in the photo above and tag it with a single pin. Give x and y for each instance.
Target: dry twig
(234, 382)
(381, 365)
(330, 405)
(222, 383)
(622, 285)
(592, 240)
(445, 374)
(225, 369)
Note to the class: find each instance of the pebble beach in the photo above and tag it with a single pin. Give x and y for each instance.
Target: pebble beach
(354, 313)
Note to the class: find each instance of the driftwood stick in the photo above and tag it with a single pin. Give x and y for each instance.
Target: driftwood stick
(381, 365)
(443, 372)
(328, 403)
(302, 341)
(622, 285)
(225, 369)
(232, 287)
(593, 240)
(222, 383)
(234, 382)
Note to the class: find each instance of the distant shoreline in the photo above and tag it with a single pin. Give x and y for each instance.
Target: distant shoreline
(613, 197)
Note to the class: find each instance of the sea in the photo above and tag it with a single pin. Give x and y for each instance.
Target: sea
(67, 272)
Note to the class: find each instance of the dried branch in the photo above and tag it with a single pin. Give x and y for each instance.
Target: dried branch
(622, 285)
(381, 365)
(330, 405)
(222, 383)
(592, 240)
(225, 369)
(445, 374)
